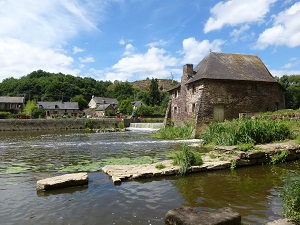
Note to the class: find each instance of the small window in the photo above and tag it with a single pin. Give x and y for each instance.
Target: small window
(193, 107)
(175, 109)
(193, 89)
(254, 89)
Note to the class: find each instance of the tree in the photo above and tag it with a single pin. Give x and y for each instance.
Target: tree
(82, 103)
(38, 113)
(125, 107)
(30, 107)
(154, 94)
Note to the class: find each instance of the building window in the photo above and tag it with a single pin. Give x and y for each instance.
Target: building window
(193, 89)
(193, 107)
(254, 89)
(175, 109)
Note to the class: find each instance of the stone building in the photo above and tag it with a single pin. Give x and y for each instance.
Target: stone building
(222, 86)
(60, 108)
(12, 104)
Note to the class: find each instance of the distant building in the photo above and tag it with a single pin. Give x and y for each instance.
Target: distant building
(12, 104)
(97, 101)
(221, 87)
(103, 109)
(60, 108)
(136, 104)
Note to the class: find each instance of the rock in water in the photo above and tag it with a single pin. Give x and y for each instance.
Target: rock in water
(67, 180)
(190, 216)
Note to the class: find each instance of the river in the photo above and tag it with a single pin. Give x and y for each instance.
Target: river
(26, 157)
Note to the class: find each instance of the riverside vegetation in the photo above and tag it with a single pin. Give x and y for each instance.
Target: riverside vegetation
(245, 134)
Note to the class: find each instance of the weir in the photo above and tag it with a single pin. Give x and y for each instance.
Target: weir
(154, 126)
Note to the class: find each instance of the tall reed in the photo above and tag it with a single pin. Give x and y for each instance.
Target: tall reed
(235, 132)
(175, 132)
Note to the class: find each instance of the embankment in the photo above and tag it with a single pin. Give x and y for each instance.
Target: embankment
(58, 124)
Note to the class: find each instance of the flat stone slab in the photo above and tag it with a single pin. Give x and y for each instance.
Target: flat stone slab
(223, 157)
(190, 216)
(280, 222)
(67, 180)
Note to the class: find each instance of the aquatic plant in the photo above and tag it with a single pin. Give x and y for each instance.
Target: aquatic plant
(237, 131)
(291, 197)
(186, 158)
(279, 157)
(160, 166)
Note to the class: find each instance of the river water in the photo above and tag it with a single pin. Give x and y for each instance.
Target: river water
(27, 157)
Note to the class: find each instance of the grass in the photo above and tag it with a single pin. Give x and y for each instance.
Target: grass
(246, 131)
(186, 158)
(291, 198)
(160, 166)
(175, 132)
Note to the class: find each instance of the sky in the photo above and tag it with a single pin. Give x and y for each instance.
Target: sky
(130, 40)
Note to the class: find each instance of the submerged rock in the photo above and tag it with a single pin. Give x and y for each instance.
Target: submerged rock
(67, 180)
(190, 216)
(280, 222)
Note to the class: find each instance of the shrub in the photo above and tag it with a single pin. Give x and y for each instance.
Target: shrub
(175, 132)
(291, 197)
(235, 132)
(186, 158)
(5, 115)
(279, 157)
(245, 147)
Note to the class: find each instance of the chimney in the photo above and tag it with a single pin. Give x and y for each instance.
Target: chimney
(187, 73)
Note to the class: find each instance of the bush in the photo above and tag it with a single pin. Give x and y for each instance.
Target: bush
(235, 132)
(186, 158)
(5, 115)
(291, 198)
(38, 113)
(175, 132)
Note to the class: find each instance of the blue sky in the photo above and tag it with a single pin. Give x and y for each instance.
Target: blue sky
(135, 39)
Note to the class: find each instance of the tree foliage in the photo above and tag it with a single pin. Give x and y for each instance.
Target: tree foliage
(30, 107)
(292, 86)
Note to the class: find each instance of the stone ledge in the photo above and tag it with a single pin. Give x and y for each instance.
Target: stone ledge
(280, 222)
(223, 158)
(67, 180)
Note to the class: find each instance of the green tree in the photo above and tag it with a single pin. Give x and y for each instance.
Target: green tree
(38, 113)
(125, 107)
(30, 107)
(82, 103)
(154, 93)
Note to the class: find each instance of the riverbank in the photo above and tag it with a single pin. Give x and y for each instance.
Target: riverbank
(60, 124)
(222, 157)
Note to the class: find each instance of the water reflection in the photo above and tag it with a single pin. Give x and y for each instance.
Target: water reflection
(252, 191)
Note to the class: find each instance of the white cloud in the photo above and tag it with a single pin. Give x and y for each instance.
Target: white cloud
(280, 73)
(157, 43)
(285, 30)
(122, 42)
(194, 51)
(33, 34)
(235, 12)
(45, 23)
(18, 58)
(86, 60)
(77, 50)
(129, 50)
(154, 63)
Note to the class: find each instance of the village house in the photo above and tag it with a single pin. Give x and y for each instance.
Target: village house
(223, 86)
(60, 108)
(12, 104)
(97, 101)
(102, 110)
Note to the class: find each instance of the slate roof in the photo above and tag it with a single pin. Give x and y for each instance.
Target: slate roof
(58, 105)
(174, 87)
(137, 103)
(228, 66)
(104, 100)
(103, 107)
(7, 99)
